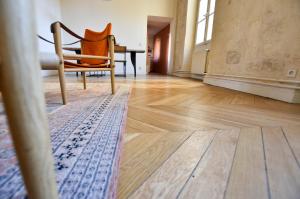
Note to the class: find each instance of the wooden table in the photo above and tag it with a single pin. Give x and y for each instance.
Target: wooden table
(132, 52)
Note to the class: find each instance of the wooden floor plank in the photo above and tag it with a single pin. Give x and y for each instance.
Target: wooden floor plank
(137, 169)
(210, 177)
(141, 127)
(188, 119)
(282, 168)
(248, 177)
(293, 136)
(243, 99)
(245, 116)
(167, 181)
(130, 136)
(206, 118)
(135, 147)
(171, 100)
(173, 123)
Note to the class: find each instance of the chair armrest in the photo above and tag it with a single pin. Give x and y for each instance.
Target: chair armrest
(78, 57)
(120, 49)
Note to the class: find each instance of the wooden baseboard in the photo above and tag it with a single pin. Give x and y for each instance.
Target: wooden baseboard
(197, 76)
(279, 91)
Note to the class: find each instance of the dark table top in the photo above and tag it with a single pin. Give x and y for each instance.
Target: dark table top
(133, 50)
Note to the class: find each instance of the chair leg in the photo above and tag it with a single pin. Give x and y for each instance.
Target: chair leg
(84, 80)
(24, 101)
(112, 77)
(62, 82)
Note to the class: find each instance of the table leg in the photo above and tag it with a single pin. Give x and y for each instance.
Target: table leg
(124, 68)
(133, 61)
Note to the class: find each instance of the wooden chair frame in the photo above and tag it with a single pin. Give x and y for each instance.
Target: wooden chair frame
(122, 49)
(56, 30)
(23, 97)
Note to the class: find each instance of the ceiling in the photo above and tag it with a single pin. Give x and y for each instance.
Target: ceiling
(156, 24)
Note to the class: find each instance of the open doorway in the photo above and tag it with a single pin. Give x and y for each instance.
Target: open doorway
(158, 42)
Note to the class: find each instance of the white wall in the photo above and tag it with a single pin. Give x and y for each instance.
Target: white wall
(47, 11)
(128, 17)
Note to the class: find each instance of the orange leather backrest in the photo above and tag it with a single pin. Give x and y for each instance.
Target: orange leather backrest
(99, 48)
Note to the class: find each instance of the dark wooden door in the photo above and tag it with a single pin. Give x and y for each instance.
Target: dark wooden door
(161, 51)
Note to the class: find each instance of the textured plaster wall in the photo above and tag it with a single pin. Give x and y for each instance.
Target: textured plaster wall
(257, 38)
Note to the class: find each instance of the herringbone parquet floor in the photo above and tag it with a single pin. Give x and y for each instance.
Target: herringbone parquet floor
(189, 140)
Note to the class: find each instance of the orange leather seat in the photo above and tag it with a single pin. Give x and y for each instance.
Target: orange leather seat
(99, 48)
(97, 45)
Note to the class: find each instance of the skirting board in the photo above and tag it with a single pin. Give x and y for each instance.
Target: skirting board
(197, 76)
(271, 90)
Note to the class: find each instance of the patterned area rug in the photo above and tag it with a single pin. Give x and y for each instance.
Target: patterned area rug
(86, 138)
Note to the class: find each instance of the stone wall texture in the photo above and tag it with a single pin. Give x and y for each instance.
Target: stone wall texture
(257, 38)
